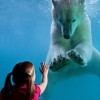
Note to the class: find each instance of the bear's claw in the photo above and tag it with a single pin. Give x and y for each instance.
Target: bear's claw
(76, 57)
(58, 63)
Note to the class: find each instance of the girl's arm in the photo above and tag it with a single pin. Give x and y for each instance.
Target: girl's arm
(44, 72)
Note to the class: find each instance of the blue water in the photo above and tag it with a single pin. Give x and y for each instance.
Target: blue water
(24, 35)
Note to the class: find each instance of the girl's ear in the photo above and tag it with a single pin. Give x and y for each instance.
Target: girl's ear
(34, 76)
(54, 2)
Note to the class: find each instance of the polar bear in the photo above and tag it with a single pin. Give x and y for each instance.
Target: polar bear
(71, 51)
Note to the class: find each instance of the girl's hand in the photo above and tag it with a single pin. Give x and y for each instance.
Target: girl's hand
(44, 72)
(44, 69)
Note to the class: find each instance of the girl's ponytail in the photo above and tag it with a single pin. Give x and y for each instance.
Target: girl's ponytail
(7, 87)
(30, 88)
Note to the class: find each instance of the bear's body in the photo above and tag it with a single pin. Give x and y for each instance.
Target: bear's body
(71, 51)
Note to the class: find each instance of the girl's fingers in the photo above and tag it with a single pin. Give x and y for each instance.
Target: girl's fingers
(44, 66)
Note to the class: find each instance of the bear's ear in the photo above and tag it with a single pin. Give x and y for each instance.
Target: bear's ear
(54, 2)
(81, 1)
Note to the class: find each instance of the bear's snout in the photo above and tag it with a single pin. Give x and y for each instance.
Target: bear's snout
(66, 36)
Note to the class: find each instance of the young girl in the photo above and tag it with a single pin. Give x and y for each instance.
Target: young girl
(23, 77)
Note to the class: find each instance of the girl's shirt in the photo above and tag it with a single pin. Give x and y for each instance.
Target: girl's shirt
(20, 94)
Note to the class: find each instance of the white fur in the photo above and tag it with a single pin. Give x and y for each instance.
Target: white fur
(80, 42)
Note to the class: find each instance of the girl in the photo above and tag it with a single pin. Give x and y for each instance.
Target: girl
(23, 77)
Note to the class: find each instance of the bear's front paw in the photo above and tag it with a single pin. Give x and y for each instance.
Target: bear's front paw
(58, 63)
(74, 55)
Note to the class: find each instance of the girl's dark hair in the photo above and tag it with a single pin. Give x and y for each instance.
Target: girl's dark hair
(22, 73)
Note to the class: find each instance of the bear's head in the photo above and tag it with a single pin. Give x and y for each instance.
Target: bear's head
(68, 13)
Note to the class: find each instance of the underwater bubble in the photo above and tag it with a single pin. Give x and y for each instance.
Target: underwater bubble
(92, 8)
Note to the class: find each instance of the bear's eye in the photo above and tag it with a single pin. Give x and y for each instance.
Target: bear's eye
(74, 20)
(60, 20)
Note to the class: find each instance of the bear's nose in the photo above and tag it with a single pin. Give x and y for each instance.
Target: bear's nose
(66, 36)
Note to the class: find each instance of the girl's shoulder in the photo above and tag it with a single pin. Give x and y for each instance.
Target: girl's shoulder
(37, 89)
